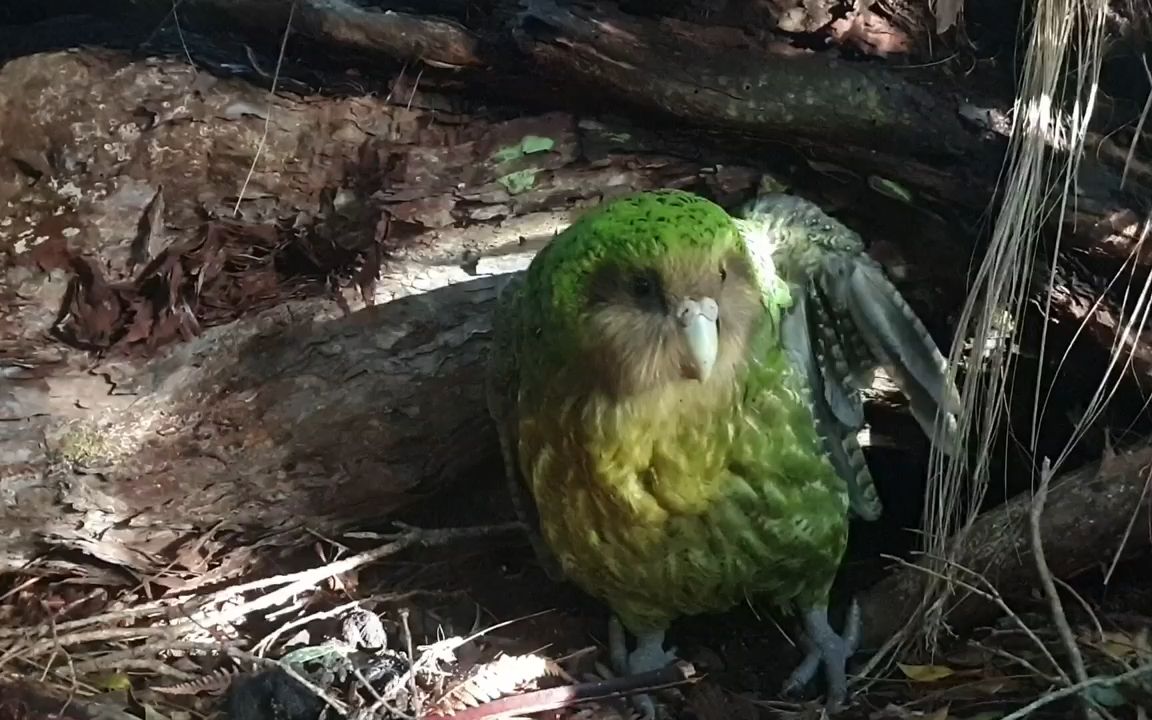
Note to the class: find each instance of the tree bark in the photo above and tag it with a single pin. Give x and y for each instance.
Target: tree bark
(286, 417)
(1091, 516)
(253, 428)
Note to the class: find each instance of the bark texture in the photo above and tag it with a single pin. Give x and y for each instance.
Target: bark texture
(1091, 516)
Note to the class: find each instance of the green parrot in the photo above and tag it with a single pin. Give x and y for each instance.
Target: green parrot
(676, 393)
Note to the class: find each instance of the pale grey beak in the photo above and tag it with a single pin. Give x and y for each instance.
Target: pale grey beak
(699, 321)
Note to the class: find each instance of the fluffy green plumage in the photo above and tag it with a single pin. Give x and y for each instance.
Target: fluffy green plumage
(682, 497)
(677, 394)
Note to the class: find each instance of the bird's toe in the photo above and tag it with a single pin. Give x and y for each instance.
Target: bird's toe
(828, 649)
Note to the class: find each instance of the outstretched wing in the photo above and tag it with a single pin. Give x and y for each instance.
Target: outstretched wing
(856, 321)
(501, 389)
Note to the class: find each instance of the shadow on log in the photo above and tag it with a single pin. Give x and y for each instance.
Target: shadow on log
(1092, 516)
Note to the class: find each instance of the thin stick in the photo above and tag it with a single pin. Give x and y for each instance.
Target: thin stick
(1131, 524)
(1016, 659)
(992, 595)
(554, 698)
(1077, 688)
(1139, 125)
(300, 581)
(412, 689)
(1055, 606)
(268, 114)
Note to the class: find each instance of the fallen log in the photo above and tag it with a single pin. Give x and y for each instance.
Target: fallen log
(276, 426)
(272, 418)
(1092, 515)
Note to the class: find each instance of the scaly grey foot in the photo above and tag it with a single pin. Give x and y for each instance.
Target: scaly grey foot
(826, 647)
(649, 655)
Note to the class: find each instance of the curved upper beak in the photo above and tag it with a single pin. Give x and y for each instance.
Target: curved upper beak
(699, 320)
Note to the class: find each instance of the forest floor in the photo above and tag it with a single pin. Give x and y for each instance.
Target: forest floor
(465, 617)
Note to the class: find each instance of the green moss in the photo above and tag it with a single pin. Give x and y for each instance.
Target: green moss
(528, 145)
(519, 181)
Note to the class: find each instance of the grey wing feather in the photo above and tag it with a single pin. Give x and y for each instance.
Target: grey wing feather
(839, 437)
(901, 342)
(864, 316)
(501, 389)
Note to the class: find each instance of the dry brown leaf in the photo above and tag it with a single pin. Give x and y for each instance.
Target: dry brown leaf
(926, 673)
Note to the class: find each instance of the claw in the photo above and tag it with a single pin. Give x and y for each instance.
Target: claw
(648, 655)
(825, 647)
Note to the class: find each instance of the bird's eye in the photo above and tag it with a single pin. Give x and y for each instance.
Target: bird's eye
(723, 273)
(641, 286)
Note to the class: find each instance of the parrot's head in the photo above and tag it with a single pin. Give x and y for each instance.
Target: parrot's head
(650, 289)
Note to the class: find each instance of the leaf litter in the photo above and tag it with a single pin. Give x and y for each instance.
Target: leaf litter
(231, 268)
(184, 652)
(355, 634)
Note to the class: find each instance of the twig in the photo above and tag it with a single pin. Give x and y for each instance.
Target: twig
(412, 689)
(49, 644)
(1026, 664)
(1132, 520)
(429, 654)
(1056, 607)
(1099, 628)
(268, 114)
(1077, 688)
(305, 579)
(34, 643)
(992, 595)
(107, 618)
(21, 586)
(554, 698)
(1139, 124)
(261, 647)
(137, 658)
